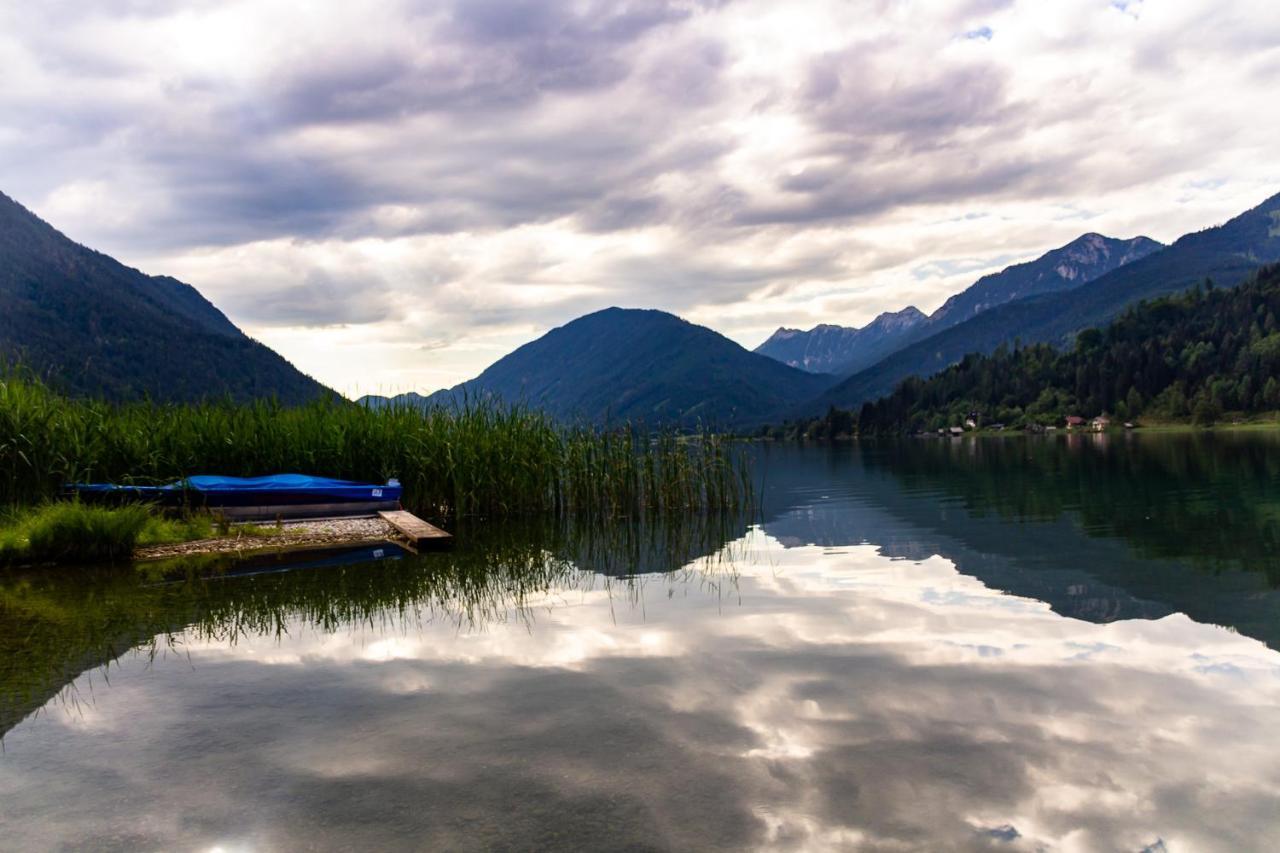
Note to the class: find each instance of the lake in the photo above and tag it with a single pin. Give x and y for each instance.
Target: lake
(1050, 643)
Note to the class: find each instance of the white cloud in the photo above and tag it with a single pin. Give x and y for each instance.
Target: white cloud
(468, 175)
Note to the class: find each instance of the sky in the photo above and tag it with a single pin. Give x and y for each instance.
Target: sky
(396, 194)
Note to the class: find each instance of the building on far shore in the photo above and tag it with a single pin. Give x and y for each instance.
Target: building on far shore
(1074, 421)
(1101, 423)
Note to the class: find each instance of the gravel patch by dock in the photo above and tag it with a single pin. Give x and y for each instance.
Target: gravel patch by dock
(291, 534)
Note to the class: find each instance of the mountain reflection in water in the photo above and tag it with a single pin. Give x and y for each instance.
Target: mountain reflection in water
(1007, 644)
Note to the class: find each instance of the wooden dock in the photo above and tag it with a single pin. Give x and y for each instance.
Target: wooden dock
(420, 534)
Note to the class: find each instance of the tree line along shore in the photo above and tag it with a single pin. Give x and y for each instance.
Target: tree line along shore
(1203, 357)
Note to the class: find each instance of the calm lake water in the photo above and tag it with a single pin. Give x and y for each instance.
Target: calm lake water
(1003, 644)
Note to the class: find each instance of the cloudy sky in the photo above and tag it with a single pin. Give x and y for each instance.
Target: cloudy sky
(396, 194)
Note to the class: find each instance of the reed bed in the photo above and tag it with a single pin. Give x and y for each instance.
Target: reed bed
(476, 459)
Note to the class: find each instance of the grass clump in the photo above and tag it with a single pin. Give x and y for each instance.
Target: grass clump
(162, 530)
(73, 532)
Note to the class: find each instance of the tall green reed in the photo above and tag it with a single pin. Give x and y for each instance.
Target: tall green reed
(478, 458)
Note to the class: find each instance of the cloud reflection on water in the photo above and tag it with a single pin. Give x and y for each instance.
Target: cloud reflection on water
(838, 699)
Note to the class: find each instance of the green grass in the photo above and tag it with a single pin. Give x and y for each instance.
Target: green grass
(479, 459)
(163, 531)
(1252, 423)
(72, 532)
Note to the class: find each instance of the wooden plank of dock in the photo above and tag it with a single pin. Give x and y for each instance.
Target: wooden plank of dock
(419, 533)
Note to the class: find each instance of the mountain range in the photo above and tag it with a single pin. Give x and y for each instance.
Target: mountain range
(640, 365)
(845, 351)
(842, 350)
(647, 365)
(91, 326)
(1226, 254)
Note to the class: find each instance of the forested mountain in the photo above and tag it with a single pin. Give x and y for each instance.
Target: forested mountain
(841, 349)
(91, 326)
(844, 351)
(1226, 254)
(623, 364)
(1197, 355)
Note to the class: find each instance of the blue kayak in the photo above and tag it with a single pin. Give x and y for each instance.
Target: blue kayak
(276, 490)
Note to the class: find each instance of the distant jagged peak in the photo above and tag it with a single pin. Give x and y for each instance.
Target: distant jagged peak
(1093, 248)
(783, 333)
(1080, 261)
(830, 348)
(888, 319)
(908, 316)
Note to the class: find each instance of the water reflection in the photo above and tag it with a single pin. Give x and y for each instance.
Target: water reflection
(849, 671)
(1100, 527)
(56, 624)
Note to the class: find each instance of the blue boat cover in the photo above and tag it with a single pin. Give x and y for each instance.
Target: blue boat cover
(245, 487)
(273, 483)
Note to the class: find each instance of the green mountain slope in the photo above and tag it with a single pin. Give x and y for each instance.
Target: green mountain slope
(1197, 354)
(1226, 254)
(624, 364)
(91, 326)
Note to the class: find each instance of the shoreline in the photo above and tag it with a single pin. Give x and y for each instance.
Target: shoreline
(1157, 428)
(290, 535)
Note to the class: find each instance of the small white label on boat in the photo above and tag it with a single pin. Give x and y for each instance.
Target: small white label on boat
(377, 552)
(377, 493)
